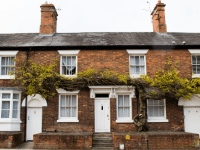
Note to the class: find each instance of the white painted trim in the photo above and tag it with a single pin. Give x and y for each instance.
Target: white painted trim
(8, 53)
(137, 52)
(7, 76)
(196, 76)
(67, 120)
(62, 91)
(5, 121)
(194, 51)
(111, 90)
(68, 52)
(157, 120)
(32, 98)
(124, 121)
(194, 101)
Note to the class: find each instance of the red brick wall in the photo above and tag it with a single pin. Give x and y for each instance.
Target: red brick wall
(62, 141)
(159, 140)
(155, 60)
(11, 139)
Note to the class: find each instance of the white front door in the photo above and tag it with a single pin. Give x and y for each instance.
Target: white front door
(102, 115)
(192, 119)
(34, 122)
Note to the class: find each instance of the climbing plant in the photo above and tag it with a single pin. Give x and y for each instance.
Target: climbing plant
(44, 80)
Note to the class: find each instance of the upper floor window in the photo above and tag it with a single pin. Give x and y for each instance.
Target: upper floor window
(196, 64)
(7, 64)
(68, 62)
(137, 62)
(10, 105)
(68, 106)
(156, 110)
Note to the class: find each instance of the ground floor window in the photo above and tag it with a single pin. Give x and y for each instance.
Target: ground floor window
(10, 105)
(156, 110)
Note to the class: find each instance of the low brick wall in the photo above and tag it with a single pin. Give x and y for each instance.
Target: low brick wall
(58, 140)
(11, 139)
(156, 140)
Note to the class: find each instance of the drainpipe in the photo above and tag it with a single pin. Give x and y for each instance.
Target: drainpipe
(26, 102)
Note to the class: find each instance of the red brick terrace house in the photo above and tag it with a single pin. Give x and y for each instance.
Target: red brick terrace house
(72, 120)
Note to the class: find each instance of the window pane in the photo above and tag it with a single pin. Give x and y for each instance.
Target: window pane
(137, 70)
(62, 101)
(161, 111)
(14, 115)
(70, 100)
(67, 100)
(141, 60)
(73, 60)
(69, 60)
(5, 105)
(64, 70)
(15, 96)
(5, 113)
(141, 70)
(198, 69)
(3, 70)
(120, 100)
(132, 60)
(126, 100)
(5, 96)
(3, 61)
(193, 59)
(62, 111)
(68, 109)
(73, 100)
(194, 67)
(137, 60)
(198, 59)
(156, 102)
(73, 70)
(15, 105)
(120, 111)
(12, 61)
(69, 70)
(126, 112)
(156, 111)
(150, 102)
(150, 111)
(132, 70)
(161, 102)
(73, 112)
(64, 60)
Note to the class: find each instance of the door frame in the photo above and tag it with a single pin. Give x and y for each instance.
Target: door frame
(103, 99)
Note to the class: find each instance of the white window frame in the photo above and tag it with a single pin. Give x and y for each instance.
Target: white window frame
(10, 119)
(124, 119)
(137, 53)
(7, 54)
(158, 119)
(68, 53)
(194, 52)
(67, 119)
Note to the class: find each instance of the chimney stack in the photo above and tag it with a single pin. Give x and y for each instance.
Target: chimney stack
(48, 19)
(158, 17)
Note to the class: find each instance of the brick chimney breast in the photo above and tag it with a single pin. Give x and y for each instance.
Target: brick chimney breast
(48, 19)
(158, 18)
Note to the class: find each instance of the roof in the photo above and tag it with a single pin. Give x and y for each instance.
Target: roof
(98, 39)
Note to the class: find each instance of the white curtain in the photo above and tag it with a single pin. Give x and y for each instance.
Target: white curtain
(5, 109)
(155, 108)
(15, 109)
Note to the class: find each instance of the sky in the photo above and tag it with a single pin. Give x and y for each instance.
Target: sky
(24, 16)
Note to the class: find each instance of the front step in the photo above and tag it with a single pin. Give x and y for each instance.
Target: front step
(102, 141)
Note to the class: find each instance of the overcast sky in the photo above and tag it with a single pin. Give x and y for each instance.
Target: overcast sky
(24, 16)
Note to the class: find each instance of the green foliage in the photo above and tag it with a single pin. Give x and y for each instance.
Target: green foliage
(37, 78)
